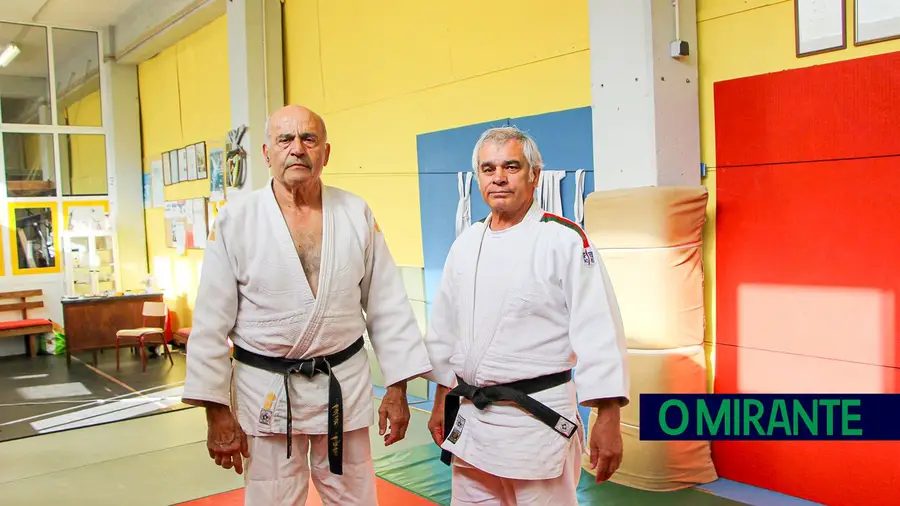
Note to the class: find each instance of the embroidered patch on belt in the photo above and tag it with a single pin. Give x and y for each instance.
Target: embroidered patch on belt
(457, 429)
(588, 257)
(565, 427)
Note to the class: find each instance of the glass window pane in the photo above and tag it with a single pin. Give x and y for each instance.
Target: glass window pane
(77, 73)
(25, 79)
(82, 164)
(34, 238)
(29, 162)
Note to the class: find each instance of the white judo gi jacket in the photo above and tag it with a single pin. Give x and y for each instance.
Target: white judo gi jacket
(553, 310)
(253, 289)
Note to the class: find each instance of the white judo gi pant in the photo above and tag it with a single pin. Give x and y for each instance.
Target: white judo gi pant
(270, 478)
(473, 486)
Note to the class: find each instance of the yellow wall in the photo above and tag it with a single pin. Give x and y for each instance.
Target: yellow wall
(741, 39)
(184, 96)
(379, 76)
(88, 152)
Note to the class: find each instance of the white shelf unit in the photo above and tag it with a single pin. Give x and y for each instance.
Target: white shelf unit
(89, 261)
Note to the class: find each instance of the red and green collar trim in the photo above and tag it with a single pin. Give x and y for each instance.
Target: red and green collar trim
(552, 218)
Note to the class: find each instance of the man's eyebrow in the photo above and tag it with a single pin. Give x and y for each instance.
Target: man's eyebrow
(505, 162)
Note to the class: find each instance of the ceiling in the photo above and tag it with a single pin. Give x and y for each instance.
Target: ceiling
(94, 14)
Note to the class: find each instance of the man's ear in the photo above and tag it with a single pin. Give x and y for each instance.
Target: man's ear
(327, 154)
(265, 150)
(537, 177)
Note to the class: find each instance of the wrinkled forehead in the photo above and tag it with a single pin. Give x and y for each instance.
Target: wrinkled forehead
(295, 123)
(501, 153)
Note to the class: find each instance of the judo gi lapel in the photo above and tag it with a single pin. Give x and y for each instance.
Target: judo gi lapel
(286, 247)
(479, 342)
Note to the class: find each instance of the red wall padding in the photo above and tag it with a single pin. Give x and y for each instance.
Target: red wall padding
(848, 109)
(808, 264)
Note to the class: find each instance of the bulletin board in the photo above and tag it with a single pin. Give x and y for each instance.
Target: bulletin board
(187, 224)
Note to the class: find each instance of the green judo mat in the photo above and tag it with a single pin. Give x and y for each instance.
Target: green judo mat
(420, 471)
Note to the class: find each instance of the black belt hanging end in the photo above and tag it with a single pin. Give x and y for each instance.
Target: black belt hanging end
(289, 433)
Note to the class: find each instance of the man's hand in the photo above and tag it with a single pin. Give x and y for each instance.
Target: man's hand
(225, 439)
(606, 440)
(436, 422)
(394, 409)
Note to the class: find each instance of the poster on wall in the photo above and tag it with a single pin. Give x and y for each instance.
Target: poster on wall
(876, 20)
(185, 224)
(157, 192)
(216, 175)
(212, 209)
(147, 190)
(820, 26)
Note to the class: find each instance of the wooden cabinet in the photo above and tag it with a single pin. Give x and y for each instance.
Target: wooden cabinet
(91, 323)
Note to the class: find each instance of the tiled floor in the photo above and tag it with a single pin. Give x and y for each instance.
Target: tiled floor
(42, 394)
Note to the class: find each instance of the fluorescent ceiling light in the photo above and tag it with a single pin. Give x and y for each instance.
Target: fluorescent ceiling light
(9, 54)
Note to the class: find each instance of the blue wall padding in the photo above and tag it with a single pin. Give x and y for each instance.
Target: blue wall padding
(450, 151)
(565, 138)
(438, 199)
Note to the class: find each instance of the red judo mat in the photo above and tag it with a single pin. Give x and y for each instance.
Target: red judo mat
(388, 495)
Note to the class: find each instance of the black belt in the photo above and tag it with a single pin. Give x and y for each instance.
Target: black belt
(518, 392)
(309, 367)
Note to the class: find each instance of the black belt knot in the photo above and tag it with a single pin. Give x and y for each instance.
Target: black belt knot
(309, 367)
(517, 392)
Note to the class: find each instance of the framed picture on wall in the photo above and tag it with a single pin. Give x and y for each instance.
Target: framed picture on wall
(820, 26)
(182, 165)
(191, 155)
(173, 167)
(166, 168)
(875, 21)
(202, 173)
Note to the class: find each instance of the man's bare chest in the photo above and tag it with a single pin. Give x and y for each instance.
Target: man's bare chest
(306, 235)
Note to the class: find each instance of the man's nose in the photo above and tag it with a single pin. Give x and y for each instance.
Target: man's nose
(297, 147)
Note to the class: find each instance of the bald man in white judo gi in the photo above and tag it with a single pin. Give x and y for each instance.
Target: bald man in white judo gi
(523, 300)
(294, 273)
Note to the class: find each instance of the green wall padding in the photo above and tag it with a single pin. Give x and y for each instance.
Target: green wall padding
(420, 471)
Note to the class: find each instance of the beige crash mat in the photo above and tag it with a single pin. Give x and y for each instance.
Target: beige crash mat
(678, 371)
(647, 217)
(660, 295)
(650, 240)
(687, 463)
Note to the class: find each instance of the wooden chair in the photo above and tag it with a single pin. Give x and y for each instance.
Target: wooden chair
(156, 310)
(30, 328)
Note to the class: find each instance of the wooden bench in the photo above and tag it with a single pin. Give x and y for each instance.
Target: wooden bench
(30, 328)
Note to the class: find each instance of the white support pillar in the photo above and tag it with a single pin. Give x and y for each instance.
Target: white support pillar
(256, 78)
(646, 121)
(124, 168)
(646, 130)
